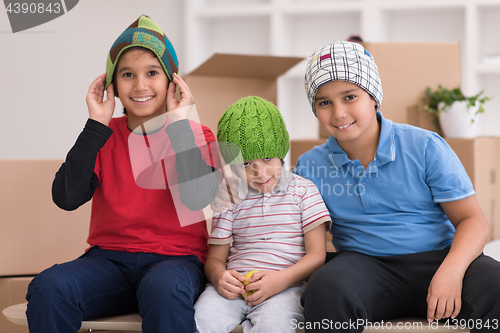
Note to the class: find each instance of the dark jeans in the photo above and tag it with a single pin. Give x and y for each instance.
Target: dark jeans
(103, 283)
(353, 286)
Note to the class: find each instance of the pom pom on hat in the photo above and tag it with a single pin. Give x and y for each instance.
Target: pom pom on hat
(144, 32)
(343, 61)
(256, 127)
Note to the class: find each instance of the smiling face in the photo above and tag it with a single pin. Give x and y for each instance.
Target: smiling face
(347, 112)
(263, 174)
(142, 86)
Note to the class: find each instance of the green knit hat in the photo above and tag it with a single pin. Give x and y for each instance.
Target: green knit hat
(144, 32)
(256, 127)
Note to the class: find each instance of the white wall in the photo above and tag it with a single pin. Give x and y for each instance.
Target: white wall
(45, 71)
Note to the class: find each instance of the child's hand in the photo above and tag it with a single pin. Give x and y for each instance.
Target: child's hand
(100, 110)
(267, 284)
(228, 283)
(444, 297)
(179, 110)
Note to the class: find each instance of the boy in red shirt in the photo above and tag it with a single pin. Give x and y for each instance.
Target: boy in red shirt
(142, 258)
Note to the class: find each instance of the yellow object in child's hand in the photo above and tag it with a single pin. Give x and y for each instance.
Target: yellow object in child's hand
(248, 275)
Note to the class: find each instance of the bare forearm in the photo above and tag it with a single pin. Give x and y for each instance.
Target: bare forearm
(471, 233)
(470, 237)
(303, 269)
(216, 261)
(212, 267)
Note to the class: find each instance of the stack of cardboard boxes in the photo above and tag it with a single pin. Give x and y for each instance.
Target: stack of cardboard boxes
(406, 70)
(225, 78)
(35, 233)
(481, 159)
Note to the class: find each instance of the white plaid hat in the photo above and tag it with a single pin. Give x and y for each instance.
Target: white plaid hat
(342, 61)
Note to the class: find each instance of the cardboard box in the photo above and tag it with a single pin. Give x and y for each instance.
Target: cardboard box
(407, 69)
(12, 291)
(36, 233)
(225, 78)
(299, 147)
(481, 159)
(422, 119)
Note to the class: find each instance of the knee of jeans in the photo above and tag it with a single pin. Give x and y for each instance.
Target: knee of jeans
(50, 285)
(174, 276)
(167, 288)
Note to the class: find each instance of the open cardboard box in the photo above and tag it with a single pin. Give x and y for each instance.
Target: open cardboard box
(225, 78)
(406, 70)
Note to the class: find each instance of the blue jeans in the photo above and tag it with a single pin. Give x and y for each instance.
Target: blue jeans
(104, 283)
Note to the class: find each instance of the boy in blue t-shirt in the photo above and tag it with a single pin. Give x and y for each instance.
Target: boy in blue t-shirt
(405, 221)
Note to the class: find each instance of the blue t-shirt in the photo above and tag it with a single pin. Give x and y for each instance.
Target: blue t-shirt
(391, 207)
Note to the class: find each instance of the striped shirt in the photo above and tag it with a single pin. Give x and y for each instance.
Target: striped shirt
(267, 229)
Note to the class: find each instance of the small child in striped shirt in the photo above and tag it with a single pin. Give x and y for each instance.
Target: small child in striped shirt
(278, 229)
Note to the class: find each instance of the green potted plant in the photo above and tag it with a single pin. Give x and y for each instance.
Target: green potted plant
(457, 113)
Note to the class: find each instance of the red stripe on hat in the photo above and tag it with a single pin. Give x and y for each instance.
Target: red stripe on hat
(323, 57)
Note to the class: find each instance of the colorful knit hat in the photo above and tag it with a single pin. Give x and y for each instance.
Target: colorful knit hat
(144, 32)
(256, 127)
(343, 61)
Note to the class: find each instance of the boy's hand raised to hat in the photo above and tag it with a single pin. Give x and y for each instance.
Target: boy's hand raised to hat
(99, 109)
(178, 110)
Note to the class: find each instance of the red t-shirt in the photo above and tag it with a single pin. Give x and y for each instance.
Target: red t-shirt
(127, 217)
